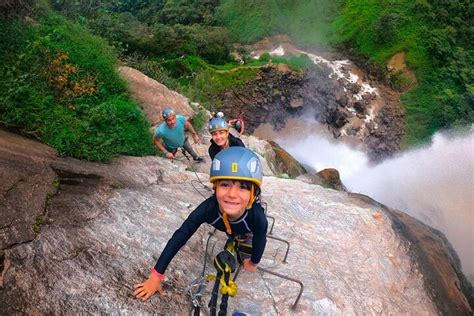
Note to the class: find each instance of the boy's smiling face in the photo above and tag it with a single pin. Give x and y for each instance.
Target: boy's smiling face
(220, 137)
(233, 197)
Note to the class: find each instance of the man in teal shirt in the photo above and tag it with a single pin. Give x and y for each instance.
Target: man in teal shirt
(170, 135)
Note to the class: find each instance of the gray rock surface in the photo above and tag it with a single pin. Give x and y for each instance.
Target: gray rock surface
(154, 96)
(24, 190)
(105, 226)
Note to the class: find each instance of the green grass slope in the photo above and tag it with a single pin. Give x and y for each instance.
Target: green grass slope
(59, 85)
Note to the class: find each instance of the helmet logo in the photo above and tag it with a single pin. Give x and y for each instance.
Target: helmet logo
(235, 167)
(216, 165)
(253, 166)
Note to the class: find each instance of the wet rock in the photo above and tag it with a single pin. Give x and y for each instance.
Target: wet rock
(371, 127)
(341, 99)
(339, 119)
(328, 178)
(353, 87)
(367, 96)
(285, 162)
(352, 131)
(359, 107)
(296, 103)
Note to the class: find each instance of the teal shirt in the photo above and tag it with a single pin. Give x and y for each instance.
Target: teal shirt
(173, 138)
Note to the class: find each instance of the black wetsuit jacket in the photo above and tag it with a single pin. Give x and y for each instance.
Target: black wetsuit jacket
(253, 220)
(233, 142)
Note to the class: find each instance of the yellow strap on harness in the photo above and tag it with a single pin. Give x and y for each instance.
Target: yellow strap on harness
(226, 223)
(229, 289)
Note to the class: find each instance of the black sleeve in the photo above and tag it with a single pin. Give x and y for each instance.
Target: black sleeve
(181, 236)
(259, 239)
(213, 150)
(235, 141)
(240, 142)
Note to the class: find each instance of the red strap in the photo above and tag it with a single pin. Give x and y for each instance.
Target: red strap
(157, 274)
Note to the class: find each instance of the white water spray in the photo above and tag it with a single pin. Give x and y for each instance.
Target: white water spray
(434, 184)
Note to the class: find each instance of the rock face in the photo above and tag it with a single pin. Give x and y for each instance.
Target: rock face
(104, 226)
(24, 190)
(328, 178)
(266, 99)
(279, 92)
(285, 162)
(153, 96)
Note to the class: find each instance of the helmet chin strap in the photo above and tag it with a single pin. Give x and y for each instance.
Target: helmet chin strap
(252, 196)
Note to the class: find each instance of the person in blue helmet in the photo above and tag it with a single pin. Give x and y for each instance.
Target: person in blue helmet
(170, 135)
(237, 123)
(234, 208)
(221, 137)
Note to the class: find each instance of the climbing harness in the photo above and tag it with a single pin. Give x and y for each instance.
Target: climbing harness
(225, 264)
(228, 262)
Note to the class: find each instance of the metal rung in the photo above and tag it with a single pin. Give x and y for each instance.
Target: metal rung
(286, 242)
(273, 223)
(287, 278)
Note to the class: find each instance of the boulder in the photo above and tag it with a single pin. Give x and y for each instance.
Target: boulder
(153, 96)
(328, 178)
(296, 103)
(285, 163)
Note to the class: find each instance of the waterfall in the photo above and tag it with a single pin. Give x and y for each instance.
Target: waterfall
(434, 183)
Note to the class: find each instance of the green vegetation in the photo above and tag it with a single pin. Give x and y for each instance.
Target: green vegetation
(60, 86)
(177, 43)
(296, 63)
(165, 29)
(199, 119)
(59, 83)
(437, 37)
(305, 21)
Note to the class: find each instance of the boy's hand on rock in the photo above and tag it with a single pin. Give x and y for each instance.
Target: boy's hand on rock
(146, 289)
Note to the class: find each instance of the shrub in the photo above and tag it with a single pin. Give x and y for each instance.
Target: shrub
(61, 87)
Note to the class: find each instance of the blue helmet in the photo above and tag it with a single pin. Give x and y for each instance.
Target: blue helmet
(167, 112)
(237, 163)
(217, 124)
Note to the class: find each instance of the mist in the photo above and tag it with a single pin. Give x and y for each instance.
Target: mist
(433, 183)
